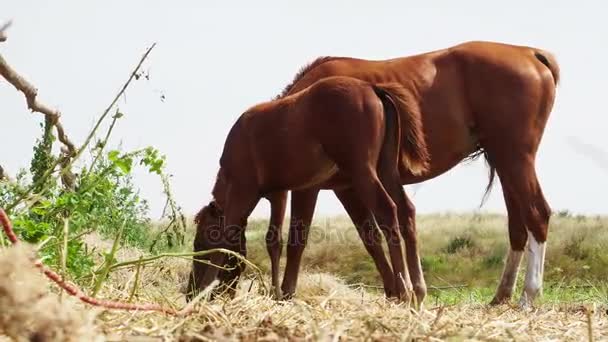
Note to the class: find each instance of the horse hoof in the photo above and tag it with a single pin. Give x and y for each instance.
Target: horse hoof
(277, 294)
(500, 300)
(287, 296)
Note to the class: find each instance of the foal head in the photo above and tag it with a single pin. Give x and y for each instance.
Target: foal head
(212, 233)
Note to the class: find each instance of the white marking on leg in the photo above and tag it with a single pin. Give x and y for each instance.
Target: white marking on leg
(533, 284)
(509, 275)
(421, 284)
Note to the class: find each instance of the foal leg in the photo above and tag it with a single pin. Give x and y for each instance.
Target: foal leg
(373, 194)
(274, 238)
(392, 183)
(407, 224)
(302, 209)
(366, 227)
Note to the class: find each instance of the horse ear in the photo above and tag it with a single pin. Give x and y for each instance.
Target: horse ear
(214, 209)
(211, 209)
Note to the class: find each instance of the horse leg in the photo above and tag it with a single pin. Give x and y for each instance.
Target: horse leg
(302, 209)
(407, 223)
(274, 238)
(376, 198)
(366, 227)
(519, 179)
(391, 182)
(517, 236)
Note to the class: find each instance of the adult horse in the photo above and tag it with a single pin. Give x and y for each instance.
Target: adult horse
(300, 141)
(475, 98)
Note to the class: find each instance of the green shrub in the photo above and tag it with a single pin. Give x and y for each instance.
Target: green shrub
(459, 243)
(103, 199)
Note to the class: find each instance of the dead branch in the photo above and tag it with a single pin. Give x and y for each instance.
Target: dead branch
(30, 93)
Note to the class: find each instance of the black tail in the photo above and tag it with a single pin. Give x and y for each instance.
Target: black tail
(491, 171)
(491, 178)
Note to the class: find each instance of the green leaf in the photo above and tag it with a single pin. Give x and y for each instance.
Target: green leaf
(124, 164)
(113, 155)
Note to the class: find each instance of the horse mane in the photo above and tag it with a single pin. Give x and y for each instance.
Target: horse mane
(303, 71)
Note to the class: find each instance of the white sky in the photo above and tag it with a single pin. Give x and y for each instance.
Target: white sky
(216, 59)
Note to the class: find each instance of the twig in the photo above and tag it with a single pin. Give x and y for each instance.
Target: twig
(64, 249)
(439, 288)
(135, 281)
(186, 255)
(176, 215)
(109, 259)
(52, 244)
(115, 118)
(160, 233)
(118, 96)
(589, 315)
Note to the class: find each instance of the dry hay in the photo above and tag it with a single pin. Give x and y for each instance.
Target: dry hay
(325, 309)
(29, 312)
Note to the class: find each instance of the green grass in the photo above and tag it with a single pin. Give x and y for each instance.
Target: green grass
(461, 249)
(465, 250)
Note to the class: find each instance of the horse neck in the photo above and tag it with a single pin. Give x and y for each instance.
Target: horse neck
(219, 189)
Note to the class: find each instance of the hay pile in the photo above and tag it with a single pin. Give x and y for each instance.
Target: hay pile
(29, 312)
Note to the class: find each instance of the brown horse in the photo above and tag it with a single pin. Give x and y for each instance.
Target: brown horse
(301, 141)
(475, 98)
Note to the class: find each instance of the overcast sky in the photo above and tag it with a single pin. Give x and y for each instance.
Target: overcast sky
(214, 59)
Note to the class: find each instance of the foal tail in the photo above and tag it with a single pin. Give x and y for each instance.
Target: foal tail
(409, 134)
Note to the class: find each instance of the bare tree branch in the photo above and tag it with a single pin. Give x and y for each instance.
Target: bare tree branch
(30, 93)
(3, 28)
(79, 151)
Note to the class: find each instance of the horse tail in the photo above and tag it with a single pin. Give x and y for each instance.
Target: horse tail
(550, 62)
(404, 124)
(491, 177)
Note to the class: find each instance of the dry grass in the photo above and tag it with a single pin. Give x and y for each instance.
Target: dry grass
(328, 309)
(325, 308)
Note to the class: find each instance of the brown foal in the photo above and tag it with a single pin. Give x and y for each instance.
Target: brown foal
(300, 142)
(474, 98)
